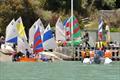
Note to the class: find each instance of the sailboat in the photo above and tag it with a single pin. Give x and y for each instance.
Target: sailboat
(11, 33)
(22, 43)
(59, 30)
(33, 29)
(48, 39)
(10, 38)
(75, 33)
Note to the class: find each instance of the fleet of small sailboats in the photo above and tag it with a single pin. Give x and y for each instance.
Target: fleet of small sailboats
(15, 33)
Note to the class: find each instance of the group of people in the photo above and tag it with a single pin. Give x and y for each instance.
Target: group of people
(20, 56)
(96, 56)
(29, 57)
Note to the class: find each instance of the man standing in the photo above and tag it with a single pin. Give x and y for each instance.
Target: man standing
(86, 39)
(27, 53)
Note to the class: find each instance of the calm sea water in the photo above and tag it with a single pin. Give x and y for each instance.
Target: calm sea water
(65, 70)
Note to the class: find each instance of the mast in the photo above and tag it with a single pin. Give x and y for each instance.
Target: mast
(72, 26)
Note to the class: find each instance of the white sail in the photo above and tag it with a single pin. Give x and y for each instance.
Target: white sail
(48, 39)
(22, 45)
(11, 33)
(60, 32)
(40, 24)
(31, 34)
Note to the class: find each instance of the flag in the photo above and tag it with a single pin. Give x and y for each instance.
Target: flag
(100, 29)
(38, 44)
(48, 39)
(11, 33)
(76, 28)
(20, 28)
(60, 31)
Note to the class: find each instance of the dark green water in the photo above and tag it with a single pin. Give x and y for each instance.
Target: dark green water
(70, 70)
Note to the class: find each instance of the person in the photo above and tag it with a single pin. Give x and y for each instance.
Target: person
(92, 54)
(82, 55)
(17, 56)
(2, 41)
(87, 56)
(86, 61)
(86, 39)
(43, 58)
(108, 54)
(100, 52)
(14, 56)
(97, 59)
(87, 53)
(107, 60)
(27, 53)
(98, 56)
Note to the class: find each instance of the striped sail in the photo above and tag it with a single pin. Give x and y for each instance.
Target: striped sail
(100, 29)
(76, 28)
(38, 44)
(33, 29)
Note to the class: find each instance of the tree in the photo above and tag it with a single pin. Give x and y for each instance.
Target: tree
(10, 9)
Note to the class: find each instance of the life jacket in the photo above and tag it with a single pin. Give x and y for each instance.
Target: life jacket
(83, 54)
(99, 44)
(87, 53)
(108, 54)
(92, 54)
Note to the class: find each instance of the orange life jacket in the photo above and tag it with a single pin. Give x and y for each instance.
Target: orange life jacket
(92, 54)
(108, 54)
(83, 54)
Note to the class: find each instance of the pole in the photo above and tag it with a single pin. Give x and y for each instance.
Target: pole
(72, 19)
(72, 27)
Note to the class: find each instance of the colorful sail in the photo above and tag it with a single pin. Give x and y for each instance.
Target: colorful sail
(100, 29)
(38, 43)
(76, 28)
(33, 29)
(48, 39)
(20, 28)
(11, 33)
(60, 31)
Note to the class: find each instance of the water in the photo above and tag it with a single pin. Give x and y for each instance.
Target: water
(65, 70)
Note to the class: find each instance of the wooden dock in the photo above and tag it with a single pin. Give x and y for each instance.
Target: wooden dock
(76, 53)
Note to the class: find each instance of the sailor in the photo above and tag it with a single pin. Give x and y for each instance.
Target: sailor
(86, 39)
